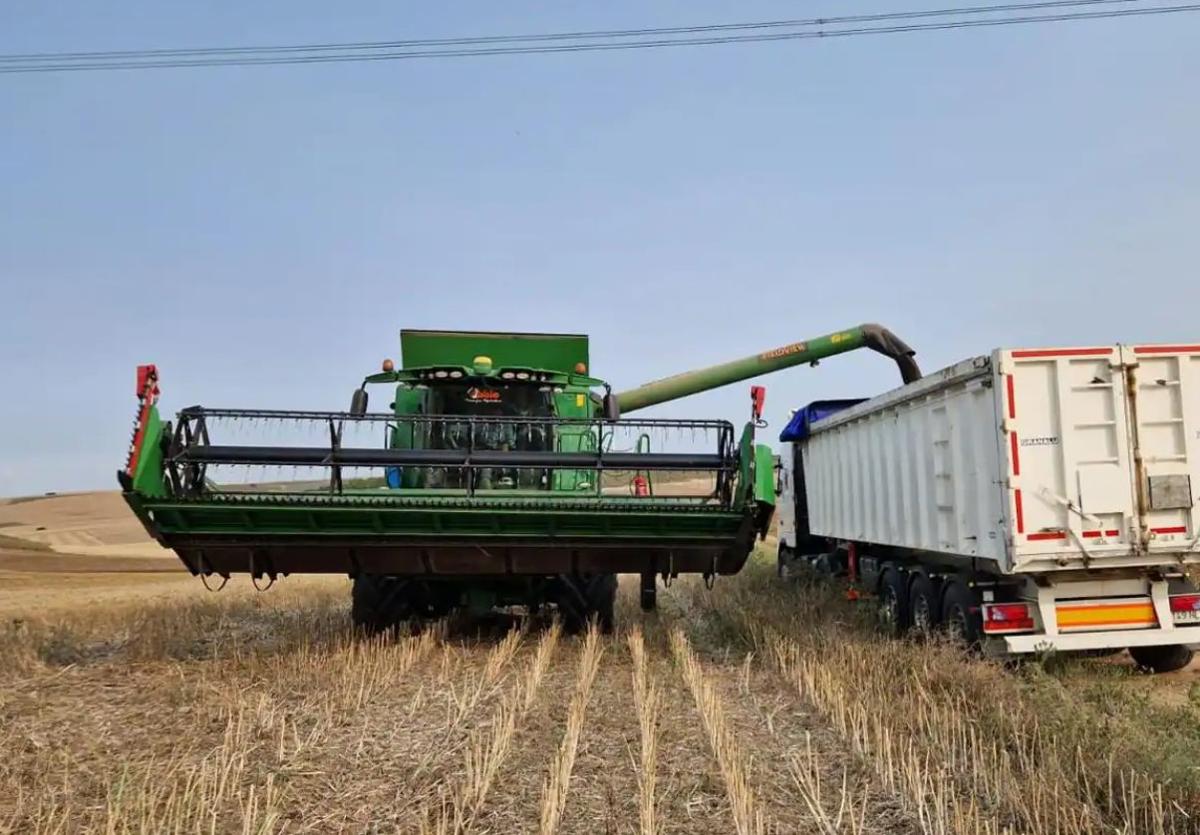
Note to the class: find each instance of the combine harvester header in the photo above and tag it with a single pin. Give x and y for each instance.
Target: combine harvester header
(503, 473)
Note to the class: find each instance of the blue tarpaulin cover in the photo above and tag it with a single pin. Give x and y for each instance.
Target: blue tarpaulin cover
(803, 419)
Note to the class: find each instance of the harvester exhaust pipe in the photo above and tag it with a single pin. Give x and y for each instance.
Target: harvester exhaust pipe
(875, 337)
(610, 406)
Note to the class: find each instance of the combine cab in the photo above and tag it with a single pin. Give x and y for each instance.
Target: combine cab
(502, 474)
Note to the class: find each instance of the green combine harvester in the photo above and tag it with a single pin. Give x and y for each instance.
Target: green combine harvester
(502, 474)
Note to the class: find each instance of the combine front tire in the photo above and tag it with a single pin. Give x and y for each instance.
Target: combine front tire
(380, 602)
(1161, 659)
(649, 595)
(582, 597)
(376, 603)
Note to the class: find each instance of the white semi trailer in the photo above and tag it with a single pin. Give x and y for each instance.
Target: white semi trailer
(1029, 499)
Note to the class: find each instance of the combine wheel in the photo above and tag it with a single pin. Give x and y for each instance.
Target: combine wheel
(894, 614)
(923, 605)
(1161, 659)
(381, 602)
(377, 603)
(649, 591)
(580, 597)
(960, 610)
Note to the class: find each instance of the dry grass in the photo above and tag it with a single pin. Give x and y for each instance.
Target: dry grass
(460, 801)
(646, 698)
(757, 707)
(558, 782)
(968, 745)
(748, 819)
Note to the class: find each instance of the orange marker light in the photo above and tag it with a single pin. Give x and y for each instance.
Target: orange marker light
(388, 365)
(580, 368)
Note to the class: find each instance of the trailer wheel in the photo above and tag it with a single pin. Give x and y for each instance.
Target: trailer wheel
(923, 605)
(649, 595)
(783, 560)
(894, 614)
(960, 612)
(1161, 659)
(824, 564)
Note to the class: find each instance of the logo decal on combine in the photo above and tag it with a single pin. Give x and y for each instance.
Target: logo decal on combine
(478, 395)
(786, 350)
(1048, 440)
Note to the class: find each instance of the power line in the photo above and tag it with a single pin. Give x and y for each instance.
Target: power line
(557, 36)
(315, 56)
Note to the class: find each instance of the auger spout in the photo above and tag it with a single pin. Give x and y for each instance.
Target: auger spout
(875, 337)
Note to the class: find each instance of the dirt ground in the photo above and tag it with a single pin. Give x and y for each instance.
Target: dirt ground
(131, 700)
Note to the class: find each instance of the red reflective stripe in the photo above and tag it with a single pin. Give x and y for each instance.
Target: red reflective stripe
(137, 440)
(1012, 399)
(1048, 535)
(1166, 349)
(1064, 352)
(1176, 529)
(1020, 511)
(1016, 456)
(1093, 534)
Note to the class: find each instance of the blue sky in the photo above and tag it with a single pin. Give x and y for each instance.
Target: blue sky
(263, 234)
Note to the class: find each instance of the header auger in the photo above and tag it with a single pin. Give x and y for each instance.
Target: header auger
(503, 474)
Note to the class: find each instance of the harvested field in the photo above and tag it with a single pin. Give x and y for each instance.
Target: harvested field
(95, 524)
(133, 701)
(756, 707)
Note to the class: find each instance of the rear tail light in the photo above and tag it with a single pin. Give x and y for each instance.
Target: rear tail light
(1185, 608)
(1007, 617)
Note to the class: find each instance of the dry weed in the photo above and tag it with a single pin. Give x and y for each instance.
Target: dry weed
(558, 782)
(950, 735)
(459, 804)
(645, 699)
(747, 817)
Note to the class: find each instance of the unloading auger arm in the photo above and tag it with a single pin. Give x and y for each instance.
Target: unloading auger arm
(875, 337)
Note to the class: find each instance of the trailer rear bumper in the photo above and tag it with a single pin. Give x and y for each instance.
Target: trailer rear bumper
(1108, 639)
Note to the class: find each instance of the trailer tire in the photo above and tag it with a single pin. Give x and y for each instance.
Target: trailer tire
(1162, 659)
(784, 558)
(923, 605)
(961, 614)
(894, 614)
(824, 564)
